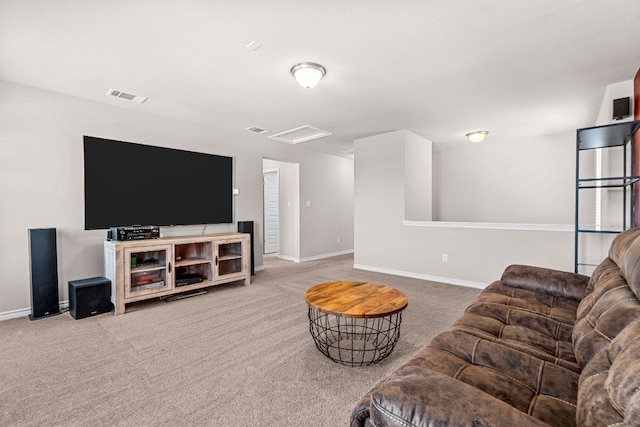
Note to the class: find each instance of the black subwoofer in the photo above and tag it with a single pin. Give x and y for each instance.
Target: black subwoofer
(89, 297)
(43, 268)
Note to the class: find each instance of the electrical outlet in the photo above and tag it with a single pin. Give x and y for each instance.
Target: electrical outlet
(445, 258)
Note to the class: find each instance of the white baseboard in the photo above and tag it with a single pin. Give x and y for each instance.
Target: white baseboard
(315, 257)
(449, 280)
(22, 312)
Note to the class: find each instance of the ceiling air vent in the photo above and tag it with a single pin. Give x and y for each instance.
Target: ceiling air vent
(257, 129)
(128, 96)
(302, 134)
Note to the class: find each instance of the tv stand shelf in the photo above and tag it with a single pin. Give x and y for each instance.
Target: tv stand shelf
(144, 269)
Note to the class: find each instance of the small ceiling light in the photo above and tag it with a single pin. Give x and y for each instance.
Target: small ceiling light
(477, 135)
(308, 74)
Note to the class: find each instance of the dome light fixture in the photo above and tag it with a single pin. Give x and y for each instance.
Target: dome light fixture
(477, 135)
(308, 74)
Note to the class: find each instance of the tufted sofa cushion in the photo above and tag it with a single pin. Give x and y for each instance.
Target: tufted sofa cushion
(539, 324)
(625, 252)
(609, 388)
(606, 338)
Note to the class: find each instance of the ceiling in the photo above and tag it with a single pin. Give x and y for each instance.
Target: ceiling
(440, 68)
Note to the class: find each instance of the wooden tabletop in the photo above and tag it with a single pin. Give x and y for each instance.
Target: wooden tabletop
(356, 299)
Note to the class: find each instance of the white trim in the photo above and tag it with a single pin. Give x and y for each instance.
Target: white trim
(329, 255)
(13, 314)
(451, 281)
(23, 312)
(315, 257)
(492, 226)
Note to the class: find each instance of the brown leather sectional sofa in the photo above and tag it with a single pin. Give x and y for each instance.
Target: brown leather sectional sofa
(538, 347)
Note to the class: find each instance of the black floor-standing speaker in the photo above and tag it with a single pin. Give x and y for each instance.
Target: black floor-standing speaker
(43, 266)
(247, 227)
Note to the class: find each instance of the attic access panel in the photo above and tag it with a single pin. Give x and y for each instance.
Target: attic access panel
(300, 134)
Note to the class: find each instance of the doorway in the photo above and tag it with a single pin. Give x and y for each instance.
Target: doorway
(271, 210)
(281, 209)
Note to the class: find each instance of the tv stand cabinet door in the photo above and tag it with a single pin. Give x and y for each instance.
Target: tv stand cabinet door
(231, 260)
(147, 270)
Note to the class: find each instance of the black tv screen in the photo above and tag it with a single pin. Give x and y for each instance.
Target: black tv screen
(133, 184)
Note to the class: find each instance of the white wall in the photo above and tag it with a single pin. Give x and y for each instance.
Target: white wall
(41, 170)
(510, 181)
(418, 177)
(328, 186)
(524, 181)
(613, 91)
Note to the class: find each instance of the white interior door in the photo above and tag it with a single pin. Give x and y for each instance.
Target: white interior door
(271, 211)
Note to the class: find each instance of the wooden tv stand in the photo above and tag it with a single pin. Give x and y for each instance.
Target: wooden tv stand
(144, 269)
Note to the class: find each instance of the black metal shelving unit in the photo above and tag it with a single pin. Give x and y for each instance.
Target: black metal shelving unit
(616, 139)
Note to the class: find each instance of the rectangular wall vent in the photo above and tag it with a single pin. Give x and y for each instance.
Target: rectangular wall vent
(128, 96)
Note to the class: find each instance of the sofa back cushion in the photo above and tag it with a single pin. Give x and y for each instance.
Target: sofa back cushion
(625, 252)
(611, 299)
(603, 313)
(609, 387)
(605, 338)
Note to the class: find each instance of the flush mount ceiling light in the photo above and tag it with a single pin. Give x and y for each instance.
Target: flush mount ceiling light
(477, 135)
(308, 74)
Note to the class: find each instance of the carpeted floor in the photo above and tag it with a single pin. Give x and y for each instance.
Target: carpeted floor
(236, 356)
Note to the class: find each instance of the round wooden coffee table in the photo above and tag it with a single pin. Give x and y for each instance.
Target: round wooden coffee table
(355, 323)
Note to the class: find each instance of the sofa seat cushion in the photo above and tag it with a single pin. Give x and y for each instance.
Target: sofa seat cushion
(539, 325)
(522, 338)
(400, 403)
(496, 377)
(551, 306)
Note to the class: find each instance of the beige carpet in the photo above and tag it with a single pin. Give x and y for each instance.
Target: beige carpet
(237, 356)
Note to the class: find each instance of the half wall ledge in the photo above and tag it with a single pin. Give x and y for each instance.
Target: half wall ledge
(565, 228)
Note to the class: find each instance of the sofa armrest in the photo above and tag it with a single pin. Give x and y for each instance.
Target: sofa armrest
(545, 280)
(360, 414)
(434, 399)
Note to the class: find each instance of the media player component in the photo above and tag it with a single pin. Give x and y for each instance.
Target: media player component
(136, 232)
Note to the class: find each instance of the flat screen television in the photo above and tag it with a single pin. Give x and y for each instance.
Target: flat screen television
(134, 184)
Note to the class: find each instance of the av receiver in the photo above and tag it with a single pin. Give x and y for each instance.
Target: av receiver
(136, 232)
